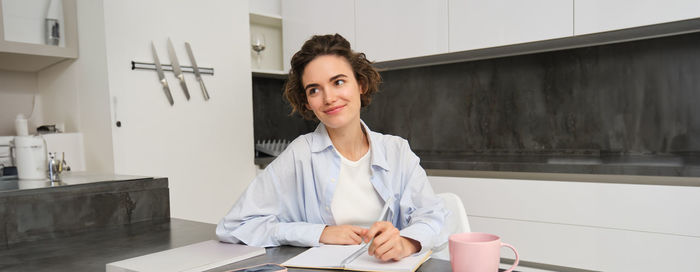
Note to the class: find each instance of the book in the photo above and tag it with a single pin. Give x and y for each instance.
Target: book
(195, 257)
(331, 256)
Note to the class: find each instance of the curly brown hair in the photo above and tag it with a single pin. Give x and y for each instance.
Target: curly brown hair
(320, 45)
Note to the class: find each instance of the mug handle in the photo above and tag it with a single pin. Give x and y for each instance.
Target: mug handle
(517, 258)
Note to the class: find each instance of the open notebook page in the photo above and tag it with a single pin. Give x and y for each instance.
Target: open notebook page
(330, 256)
(370, 263)
(325, 256)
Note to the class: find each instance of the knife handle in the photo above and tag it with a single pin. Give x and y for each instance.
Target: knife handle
(204, 89)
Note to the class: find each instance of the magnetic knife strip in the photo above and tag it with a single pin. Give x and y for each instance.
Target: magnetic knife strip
(167, 67)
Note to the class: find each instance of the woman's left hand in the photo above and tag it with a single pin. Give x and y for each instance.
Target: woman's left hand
(388, 244)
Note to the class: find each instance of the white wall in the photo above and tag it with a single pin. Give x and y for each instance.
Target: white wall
(75, 92)
(596, 226)
(17, 90)
(205, 148)
(57, 87)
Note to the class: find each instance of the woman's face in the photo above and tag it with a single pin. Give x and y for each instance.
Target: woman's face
(332, 92)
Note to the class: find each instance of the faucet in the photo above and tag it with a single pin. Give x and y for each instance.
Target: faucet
(55, 168)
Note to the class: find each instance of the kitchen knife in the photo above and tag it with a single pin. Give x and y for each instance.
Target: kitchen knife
(197, 75)
(161, 75)
(176, 68)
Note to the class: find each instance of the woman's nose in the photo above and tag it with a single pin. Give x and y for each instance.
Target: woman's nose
(329, 96)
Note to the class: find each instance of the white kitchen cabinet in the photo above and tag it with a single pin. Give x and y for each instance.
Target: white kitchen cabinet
(396, 29)
(600, 226)
(598, 15)
(478, 24)
(22, 46)
(302, 19)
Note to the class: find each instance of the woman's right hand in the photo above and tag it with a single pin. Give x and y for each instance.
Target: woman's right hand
(342, 235)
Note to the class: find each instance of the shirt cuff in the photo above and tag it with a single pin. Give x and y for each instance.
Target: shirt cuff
(422, 233)
(300, 234)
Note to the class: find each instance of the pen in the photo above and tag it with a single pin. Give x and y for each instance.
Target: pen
(362, 249)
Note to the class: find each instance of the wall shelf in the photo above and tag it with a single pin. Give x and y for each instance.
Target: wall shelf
(266, 19)
(31, 57)
(269, 62)
(265, 73)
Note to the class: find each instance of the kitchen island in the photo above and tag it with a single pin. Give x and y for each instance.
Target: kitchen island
(37, 210)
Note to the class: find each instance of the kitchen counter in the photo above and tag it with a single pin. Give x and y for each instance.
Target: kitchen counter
(12, 185)
(81, 202)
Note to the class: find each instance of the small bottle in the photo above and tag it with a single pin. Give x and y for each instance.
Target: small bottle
(21, 125)
(53, 34)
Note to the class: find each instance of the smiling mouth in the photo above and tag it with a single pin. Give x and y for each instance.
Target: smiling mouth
(334, 110)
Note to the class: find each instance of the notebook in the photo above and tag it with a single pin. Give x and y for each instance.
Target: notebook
(196, 257)
(330, 257)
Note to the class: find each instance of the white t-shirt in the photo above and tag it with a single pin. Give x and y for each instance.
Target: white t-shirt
(355, 202)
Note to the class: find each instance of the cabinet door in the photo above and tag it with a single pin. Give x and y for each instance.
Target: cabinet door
(302, 19)
(479, 24)
(603, 15)
(397, 29)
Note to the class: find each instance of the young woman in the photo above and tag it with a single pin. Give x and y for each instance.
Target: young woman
(329, 186)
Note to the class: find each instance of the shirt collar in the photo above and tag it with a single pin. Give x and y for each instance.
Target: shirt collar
(321, 141)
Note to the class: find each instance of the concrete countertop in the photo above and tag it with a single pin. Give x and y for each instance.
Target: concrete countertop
(10, 184)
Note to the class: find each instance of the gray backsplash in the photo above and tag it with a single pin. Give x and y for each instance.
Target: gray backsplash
(271, 112)
(638, 98)
(633, 98)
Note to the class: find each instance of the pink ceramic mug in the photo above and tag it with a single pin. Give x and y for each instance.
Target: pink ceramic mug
(477, 252)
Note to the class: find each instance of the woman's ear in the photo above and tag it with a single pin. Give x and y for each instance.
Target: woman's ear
(307, 106)
(363, 87)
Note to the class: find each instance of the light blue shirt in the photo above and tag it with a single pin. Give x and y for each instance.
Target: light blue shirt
(289, 203)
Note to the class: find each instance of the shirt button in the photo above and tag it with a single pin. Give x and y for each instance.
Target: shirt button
(332, 180)
(327, 208)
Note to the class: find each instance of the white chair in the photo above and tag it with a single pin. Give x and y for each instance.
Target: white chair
(456, 222)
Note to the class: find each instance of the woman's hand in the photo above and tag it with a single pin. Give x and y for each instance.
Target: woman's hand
(388, 244)
(342, 235)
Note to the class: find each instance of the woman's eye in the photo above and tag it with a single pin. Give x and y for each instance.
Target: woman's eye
(340, 82)
(312, 91)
